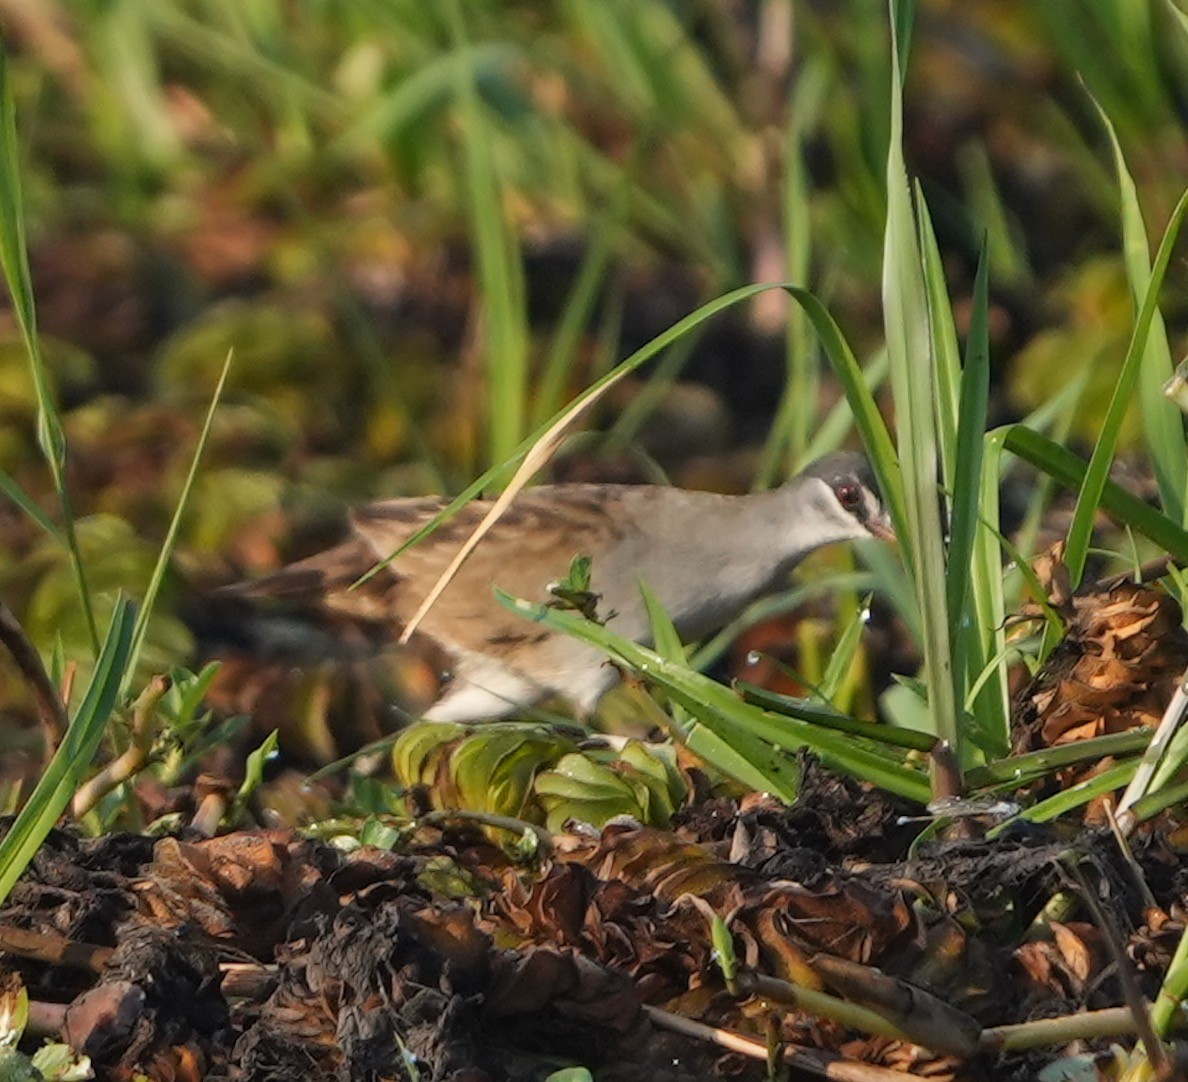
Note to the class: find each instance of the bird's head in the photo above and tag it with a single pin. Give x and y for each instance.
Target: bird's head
(845, 499)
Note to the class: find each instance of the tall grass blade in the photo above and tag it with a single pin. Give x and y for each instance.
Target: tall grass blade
(905, 314)
(51, 796)
(989, 700)
(500, 266)
(844, 653)
(170, 542)
(1163, 424)
(967, 491)
(945, 348)
(579, 308)
(1081, 530)
(14, 257)
(867, 419)
(26, 503)
(1071, 471)
(791, 430)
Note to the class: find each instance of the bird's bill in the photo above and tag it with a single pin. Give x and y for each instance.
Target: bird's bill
(882, 529)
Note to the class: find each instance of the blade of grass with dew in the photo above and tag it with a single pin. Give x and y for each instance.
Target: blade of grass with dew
(716, 646)
(913, 379)
(746, 758)
(845, 653)
(1019, 770)
(721, 710)
(1096, 475)
(14, 257)
(816, 713)
(500, 265)
(1163, 424)
(170, 542)
(1075, 796)
(56, 786)
(1071, 470)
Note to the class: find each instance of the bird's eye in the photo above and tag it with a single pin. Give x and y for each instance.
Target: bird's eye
(849, 496)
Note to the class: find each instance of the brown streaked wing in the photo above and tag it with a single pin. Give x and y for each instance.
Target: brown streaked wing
(530, 546)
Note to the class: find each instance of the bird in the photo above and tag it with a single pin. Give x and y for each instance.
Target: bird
(704, 555)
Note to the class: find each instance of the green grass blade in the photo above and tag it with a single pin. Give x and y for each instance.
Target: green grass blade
(27, 504)
(913, 380)
(744, 758)
(796, 414)
(828, 718)
(986, 651)
(579, 307)
(14, 258)
(1070, 471)
(967, 467)
(1075, 796)
(54, 790)
(722, 711)
(945, 348)
(1018, 770)
(170, 542)
(841, 659)
(973, 584)
(641, 356)
(716, 646)
(500, 266)
(867, 418)
(1163, 424)
(664, 633)
(1081, 530)
(903, 15)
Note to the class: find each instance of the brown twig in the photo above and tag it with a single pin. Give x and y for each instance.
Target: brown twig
(1156, 1054)
(54, 720)
(135, 758)
(53, 949)
(45, 1019)
(820, 1064)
